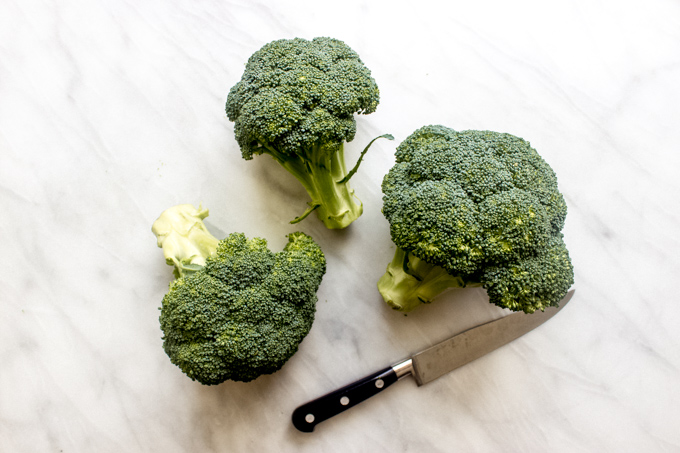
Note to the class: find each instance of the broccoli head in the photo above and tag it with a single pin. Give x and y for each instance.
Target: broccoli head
(296, 102)
(241, 312)
(474, 208)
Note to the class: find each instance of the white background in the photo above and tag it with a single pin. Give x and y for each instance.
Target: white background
(112, 111)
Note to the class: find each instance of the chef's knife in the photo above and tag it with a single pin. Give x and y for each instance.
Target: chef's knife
(427, 365)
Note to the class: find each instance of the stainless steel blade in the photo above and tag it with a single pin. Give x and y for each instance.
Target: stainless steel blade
(474, 343)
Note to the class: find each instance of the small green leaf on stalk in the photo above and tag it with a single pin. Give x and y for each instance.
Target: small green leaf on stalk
(356, 167)
(309, 210)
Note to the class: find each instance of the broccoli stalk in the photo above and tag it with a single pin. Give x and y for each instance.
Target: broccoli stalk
(296, 102)
(410, 281)
(321, 174)
(184, 238)
(324, 176)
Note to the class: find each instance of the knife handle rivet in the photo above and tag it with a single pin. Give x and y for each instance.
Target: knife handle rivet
(344, 401)
(380, 383)
(309, 418)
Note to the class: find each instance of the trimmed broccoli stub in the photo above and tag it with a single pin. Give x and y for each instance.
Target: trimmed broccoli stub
(480, 207)
(409, 279)
(185, 240)
(296, 102)
(244, 313)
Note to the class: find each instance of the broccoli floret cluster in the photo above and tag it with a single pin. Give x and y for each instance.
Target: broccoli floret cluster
(482, 206)
(245, 311)
(296, 101)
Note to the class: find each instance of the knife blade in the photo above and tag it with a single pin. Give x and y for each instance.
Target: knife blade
(427, 365)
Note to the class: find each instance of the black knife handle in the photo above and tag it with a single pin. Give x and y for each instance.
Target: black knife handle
(307, 416)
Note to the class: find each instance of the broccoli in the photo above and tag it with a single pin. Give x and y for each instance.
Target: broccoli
(296, 102)
(474, 208)
(236, 310)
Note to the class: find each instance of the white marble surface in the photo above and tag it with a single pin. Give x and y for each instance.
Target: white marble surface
(112, 111)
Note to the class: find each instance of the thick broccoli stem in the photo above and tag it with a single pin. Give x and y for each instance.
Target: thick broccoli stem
(184, 238)
(321, 173)
(410, 281)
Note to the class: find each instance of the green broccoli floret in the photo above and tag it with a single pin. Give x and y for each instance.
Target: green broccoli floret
(296, 102)
(237, 310)
(474, 208)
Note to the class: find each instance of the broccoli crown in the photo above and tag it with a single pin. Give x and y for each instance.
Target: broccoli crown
(297, 95)
(482, 205)
(245, 313)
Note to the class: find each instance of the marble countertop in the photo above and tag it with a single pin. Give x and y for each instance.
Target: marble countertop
(111, 112)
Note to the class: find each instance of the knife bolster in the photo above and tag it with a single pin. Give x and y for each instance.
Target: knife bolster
(403, 369)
